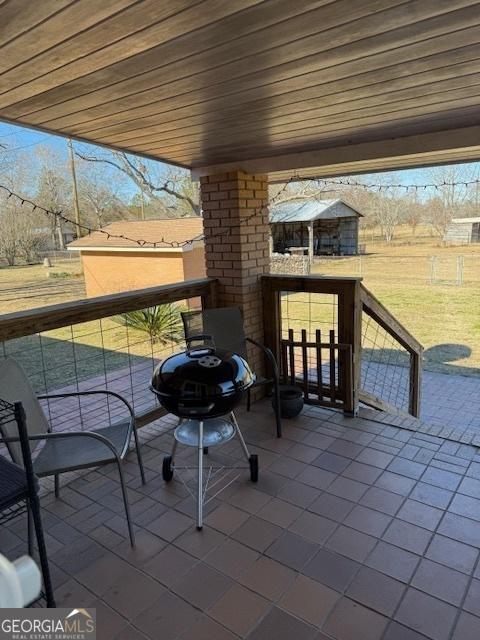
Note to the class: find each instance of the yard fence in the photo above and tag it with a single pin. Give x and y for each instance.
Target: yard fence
(432, 269)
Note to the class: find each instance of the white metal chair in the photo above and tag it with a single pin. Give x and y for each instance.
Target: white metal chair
(69, 450)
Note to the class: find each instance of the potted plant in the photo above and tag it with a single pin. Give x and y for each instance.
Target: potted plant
(291, 401)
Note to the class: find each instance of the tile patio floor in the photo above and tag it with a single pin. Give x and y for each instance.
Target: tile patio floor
(356, 530)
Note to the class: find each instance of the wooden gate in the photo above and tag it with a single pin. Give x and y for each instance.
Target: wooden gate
(324, 370)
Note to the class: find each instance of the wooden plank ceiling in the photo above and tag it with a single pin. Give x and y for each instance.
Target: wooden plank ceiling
(201, 83)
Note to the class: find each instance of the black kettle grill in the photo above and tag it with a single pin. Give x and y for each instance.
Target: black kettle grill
(202, 385)
(202, 382)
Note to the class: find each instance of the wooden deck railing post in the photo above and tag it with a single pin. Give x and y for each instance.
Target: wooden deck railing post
(415, 384)
(209, 298)
(350, 332)
(272, 325)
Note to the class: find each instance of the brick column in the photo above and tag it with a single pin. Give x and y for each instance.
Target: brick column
(235, 218)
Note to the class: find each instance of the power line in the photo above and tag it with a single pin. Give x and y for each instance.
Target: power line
(26, 146)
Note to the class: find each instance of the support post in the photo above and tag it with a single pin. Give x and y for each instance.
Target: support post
(236, 229)
(310, 241)
(350, 332)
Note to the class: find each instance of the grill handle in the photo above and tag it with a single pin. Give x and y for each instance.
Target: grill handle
(196, 411)
(201, 337)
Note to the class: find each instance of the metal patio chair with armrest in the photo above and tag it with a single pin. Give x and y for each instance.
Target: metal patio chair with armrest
(19, 489)
(225, 327)
(70, 450)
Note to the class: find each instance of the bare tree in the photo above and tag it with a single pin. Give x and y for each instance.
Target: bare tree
(53, 190)
(30, 238)
(20, 234)
(301, 190)
(451, 195)
(414, 212)
(99, 196)
(9, 248)
(173, 191)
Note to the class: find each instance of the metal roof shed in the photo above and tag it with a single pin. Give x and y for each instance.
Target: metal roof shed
(463, 231)
(325, 227)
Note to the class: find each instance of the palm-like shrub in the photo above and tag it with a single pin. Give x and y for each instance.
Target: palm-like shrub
(163, 322)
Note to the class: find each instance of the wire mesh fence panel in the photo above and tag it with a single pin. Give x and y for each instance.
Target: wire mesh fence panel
(471, 269)
(311, 317)
(116, 353)
(309, 311)
(385, 366)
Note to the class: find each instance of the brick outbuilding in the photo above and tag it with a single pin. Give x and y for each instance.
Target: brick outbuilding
(112, 263)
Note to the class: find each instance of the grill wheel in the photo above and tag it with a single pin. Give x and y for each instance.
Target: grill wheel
(253, 460)
(167, 470)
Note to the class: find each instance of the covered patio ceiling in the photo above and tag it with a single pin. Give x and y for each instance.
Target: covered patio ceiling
(267, 86)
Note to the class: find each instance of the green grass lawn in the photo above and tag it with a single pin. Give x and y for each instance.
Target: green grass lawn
(444, 318)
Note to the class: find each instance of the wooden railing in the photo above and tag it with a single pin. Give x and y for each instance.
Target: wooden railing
(350, 304)
(24, 323)
(73, 335)
(314, 316)
(375, 310)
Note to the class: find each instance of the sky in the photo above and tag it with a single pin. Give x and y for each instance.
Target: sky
(21, 139)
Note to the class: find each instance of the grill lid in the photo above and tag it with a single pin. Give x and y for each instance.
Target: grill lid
(202, 373)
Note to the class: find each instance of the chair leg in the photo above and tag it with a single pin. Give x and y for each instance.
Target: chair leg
(57, 485)
(34, 507)
(125, 502)
(278, 417)
(200, 477)
(249, 400)
(31, 550)
(139, 456)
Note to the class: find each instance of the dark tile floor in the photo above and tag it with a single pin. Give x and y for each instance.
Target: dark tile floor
(356, 530)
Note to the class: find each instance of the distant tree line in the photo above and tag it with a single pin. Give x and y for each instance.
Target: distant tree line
(111, 186)
(115, 186)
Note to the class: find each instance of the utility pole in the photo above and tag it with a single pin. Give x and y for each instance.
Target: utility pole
(142, 205)
(75, 191)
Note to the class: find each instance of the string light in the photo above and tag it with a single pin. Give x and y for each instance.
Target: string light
(257, 211)
(58, 215)
(380, 187)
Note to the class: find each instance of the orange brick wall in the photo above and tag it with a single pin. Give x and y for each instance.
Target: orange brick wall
(236, 247)
(111, 272)
(194, 263)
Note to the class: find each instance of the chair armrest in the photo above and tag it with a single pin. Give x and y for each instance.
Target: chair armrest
(68, 434)
(91, 393)
(269, 354)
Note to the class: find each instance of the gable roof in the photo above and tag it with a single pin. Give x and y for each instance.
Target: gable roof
(308, 210)
(466, 220)
(175, 230)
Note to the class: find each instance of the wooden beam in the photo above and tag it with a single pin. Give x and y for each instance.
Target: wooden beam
(452, 139)
(377, 403)
(24, 323)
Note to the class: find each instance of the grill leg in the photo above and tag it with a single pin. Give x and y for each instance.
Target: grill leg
(240, 437)
(200, 477)
(174, 449)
